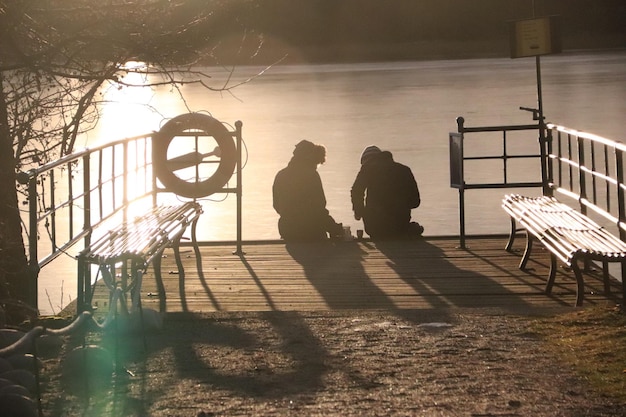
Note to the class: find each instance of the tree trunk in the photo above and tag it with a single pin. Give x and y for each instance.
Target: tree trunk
(16, 282)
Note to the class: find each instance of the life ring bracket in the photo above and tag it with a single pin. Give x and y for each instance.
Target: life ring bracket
(194, 125)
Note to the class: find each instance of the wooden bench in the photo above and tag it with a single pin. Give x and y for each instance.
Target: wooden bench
(568, 234)
(132, 246)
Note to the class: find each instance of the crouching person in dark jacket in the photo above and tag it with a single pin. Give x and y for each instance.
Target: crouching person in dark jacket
(383, 194)
(299, 198)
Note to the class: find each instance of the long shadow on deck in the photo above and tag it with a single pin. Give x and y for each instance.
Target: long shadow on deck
(451, 277)
(337, 273)
(403, 275)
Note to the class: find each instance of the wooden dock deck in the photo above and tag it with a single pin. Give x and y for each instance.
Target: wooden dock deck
(431, 273)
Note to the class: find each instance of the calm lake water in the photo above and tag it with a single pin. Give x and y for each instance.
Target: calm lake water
(407, 108)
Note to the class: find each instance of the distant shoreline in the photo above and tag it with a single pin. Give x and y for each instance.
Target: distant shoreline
(275, 52)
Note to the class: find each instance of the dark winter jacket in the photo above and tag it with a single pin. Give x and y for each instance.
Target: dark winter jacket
(383, 194)
(299, 199)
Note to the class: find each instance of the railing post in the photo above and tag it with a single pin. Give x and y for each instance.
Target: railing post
(582, 182)
(460, 121)
(547, 182)
(543, 145)
(462, 218)
(238, 125)
(621, 210)
(152, 173)
(124, 179)
(83, 269)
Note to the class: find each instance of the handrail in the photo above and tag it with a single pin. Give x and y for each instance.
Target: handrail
(589, 170)
(64, 206)
(586, 168)
(458, 159)
(69, 197)
(596, 138)
(75, 155)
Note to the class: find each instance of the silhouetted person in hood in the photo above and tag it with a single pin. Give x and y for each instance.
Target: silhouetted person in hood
(383, 194)
(299, 197)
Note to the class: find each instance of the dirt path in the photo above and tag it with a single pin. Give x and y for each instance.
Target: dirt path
(461, 363)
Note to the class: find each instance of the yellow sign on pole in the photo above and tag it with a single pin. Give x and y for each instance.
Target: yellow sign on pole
(534, 37)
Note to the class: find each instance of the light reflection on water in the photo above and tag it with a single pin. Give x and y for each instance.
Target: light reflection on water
(405, 107)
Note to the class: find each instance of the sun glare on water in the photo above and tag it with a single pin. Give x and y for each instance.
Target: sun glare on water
(127, 108)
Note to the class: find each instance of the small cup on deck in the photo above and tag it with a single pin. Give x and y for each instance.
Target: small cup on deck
(359, 234)
(347, 234)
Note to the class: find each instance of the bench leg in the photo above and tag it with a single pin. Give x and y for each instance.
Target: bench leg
(136, 275)
(194, 239)
(509, 244)
(623, 266)
(196, 248)
(580, 284)
(156, 265)
(181, 274)
(80, 291)
(84, 294)
(552, 275)
(135, 296)
(529, 247)
(606, 278)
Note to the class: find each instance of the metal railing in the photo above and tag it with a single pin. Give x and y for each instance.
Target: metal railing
(69, 198)
(589, 171)
(503, 155)
(586, 168)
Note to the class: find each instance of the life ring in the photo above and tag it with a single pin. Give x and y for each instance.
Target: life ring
(207, 126)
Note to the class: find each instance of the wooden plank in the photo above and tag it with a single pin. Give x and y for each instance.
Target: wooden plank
(423, 274)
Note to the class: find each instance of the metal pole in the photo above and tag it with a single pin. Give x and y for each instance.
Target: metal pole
(542, 131)
(542, 125)
(238, 125)
(460, 121)
(84, 269)
(462, 217)
(124, 179)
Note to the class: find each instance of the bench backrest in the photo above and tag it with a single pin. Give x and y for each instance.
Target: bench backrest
(589, 171)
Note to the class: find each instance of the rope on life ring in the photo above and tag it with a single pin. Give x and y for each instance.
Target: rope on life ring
(210, 127)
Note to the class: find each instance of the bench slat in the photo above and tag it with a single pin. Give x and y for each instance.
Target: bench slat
(142, 236)
(135, 244)
(569, 231)
(566, 232)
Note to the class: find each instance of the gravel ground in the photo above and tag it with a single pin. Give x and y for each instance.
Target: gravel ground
(349, 363)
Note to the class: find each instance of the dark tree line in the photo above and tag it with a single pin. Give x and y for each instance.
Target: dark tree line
(335, 25)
